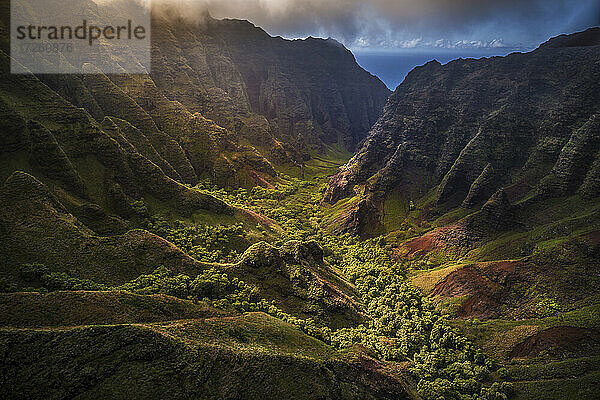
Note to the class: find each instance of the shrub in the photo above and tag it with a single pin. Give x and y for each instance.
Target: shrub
(39, 275)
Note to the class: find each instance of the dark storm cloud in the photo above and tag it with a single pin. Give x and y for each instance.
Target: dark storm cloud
(410, 23)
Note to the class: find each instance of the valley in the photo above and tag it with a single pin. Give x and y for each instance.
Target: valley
(261, 218)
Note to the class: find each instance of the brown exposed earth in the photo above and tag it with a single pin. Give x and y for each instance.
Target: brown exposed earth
(483, 283)
(559, 342)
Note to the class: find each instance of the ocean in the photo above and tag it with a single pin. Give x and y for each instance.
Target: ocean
(392, 67)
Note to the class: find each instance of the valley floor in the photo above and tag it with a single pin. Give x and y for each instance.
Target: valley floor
(260, 305)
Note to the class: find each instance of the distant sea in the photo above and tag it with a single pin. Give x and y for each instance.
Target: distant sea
(393, 66)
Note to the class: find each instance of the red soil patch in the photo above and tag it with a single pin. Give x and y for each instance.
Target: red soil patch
(458, 237)
(261, 219)
(482, 282)
(260, 181)
(421, 245)
(427, 243)
(498, 271)
(462, 282)
(593, 237)
(560, 341)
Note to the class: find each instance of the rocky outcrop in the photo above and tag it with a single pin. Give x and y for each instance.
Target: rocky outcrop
(298, 280)
(297, 252)
(591, 185)
(574, 162)
(262, 258)
(527, 123)
(496, 215)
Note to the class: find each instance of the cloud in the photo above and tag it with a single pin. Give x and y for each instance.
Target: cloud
(408, 44)
(410, 23)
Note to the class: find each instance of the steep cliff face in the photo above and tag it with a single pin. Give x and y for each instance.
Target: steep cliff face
(224, 100)
(527, 123)
(484, 175)
(310, 88)
(301, 94)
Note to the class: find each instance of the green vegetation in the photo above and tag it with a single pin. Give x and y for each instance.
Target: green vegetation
(294, 204)
(406, 326)
(211, 286)
(558, 370)
(123, 277)
(221, 291)
(40, 276)
(568, 379)
(206, 243)
(496, 336)
(402, 325)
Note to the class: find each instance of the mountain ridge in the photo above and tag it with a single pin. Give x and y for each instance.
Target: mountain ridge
(457, 117)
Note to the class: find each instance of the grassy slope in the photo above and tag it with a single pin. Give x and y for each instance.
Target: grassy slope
(556, 245)
(541, 377)
(239, 336)
(121, 345)
(215, 355)
(67, 308)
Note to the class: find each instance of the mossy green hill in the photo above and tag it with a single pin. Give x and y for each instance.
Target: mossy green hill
(253, 356)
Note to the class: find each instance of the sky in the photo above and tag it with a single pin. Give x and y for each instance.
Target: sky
(384, 25)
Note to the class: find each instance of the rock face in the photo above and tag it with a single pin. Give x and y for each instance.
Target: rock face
(527, 123)
(224, 102)
(304, 94)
